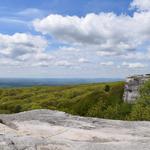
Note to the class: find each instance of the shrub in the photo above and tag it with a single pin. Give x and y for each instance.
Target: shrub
(107, 88)
(17, 109)
(96, 100)
(141, 109)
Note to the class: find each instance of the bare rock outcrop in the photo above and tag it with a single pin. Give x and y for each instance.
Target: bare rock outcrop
(54, 130)
(131, 90)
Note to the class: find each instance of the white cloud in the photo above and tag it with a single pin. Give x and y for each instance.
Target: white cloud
(23, 48)
(136, 56)
(43, 56)
(141, 5)
(8, 62)
(69, 49)
(105, 53)
(134, 65)
(20, 44)
(40, 64)
(12, 20)
(64, 63)
(109, 63)
(31, 12)
(104, 32)
(80, 40)
(83, 60)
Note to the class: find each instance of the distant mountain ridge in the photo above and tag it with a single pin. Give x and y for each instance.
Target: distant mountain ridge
(23, 82)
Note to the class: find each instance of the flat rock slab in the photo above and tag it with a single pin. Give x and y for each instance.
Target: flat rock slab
(54, 130)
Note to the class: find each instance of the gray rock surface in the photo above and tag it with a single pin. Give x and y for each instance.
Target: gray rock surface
(133, 83)
(53, 130)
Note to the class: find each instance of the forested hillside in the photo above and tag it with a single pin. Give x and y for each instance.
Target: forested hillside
(103, 100)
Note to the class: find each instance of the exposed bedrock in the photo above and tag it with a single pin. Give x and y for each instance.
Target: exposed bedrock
(131, 89)
(54, 130)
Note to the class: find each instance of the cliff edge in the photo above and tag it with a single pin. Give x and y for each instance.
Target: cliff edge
(131, 89)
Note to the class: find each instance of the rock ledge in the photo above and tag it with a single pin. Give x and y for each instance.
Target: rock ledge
(54, 130)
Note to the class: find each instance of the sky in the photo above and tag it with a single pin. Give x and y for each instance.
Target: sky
(74, 38)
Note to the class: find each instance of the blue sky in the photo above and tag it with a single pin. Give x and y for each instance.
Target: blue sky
(74, 38)
(9, 10)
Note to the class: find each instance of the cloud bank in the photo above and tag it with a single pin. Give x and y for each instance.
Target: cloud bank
(104, 32)
(104, 39)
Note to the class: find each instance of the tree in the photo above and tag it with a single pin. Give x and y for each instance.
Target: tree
(107, 88)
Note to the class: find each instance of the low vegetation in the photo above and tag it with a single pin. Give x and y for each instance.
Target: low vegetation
(141, 109)
(102, 100)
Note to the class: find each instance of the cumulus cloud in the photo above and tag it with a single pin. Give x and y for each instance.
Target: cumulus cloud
(40, 64)
(20, 44)
(104, 32)
(109, 63)
(22, 47)
(103, 36)
(134, 65)
(64, 63)
(83, 60)
(136, 56)
(141, 5)
(9, 62)
(69, 49)
(106, 53)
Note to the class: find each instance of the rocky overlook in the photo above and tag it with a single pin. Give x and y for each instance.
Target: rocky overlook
(54, 130)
